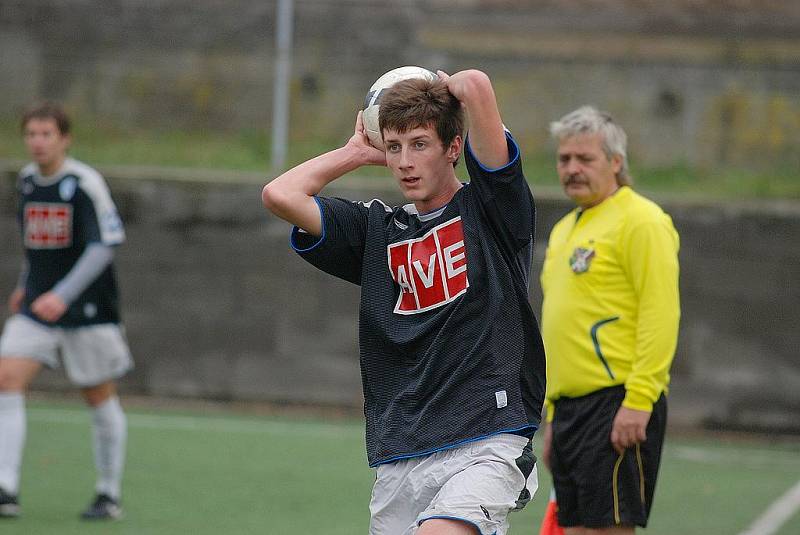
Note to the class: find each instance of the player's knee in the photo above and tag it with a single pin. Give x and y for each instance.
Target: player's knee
(5, 381)
(11, 380)
(97, 395)
(444, 526)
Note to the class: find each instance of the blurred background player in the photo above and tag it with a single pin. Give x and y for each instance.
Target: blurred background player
(610, 325)
(65, 304)
(451, 357)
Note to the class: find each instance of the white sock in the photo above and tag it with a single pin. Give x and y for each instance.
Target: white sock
(109, 434)
(12, 439)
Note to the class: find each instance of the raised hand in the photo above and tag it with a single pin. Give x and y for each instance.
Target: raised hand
(360, 141)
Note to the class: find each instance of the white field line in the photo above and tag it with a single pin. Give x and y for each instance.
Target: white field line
(198, 423)
(749, 457)
(776, 514)
(781, 509)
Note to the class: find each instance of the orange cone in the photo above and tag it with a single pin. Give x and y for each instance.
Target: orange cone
(550, 524)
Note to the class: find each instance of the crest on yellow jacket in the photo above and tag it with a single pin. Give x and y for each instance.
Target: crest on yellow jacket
(580, 260)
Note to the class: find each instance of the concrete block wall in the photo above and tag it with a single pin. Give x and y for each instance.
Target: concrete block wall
(217, 306)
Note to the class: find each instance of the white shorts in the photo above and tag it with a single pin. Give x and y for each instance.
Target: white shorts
(92, 355)
(478, 483)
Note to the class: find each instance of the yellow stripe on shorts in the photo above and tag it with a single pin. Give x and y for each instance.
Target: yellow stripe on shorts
(615, 489)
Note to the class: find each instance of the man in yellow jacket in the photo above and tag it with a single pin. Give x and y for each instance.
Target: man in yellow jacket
(610, 324)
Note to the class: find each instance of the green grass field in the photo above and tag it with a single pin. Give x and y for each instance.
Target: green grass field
(220, 471)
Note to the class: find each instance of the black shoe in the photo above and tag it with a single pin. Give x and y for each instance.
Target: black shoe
(9, 505)
(104, 507)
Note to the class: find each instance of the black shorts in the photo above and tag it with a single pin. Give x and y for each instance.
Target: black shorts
(595, 486)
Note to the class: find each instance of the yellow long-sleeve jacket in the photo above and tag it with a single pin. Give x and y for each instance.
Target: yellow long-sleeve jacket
(611, 301)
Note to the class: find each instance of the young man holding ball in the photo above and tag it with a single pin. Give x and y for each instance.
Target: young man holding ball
(451, 356)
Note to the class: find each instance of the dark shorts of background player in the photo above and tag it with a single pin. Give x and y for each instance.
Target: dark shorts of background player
(595, 487)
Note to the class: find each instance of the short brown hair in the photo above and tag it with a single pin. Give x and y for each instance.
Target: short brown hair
(418, 102)
(47, 110)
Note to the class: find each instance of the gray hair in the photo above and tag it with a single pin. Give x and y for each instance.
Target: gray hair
(589, 120)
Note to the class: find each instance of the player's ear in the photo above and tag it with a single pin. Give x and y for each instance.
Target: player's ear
(454, 150)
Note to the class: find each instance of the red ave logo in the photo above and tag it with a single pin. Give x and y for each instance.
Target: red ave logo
(431, 270)
(48, 225)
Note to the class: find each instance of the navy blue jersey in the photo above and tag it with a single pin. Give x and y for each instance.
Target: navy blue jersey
(59, 217)
(450, 347)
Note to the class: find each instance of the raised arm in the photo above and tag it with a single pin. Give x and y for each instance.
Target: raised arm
(486, 133)
(291, 195)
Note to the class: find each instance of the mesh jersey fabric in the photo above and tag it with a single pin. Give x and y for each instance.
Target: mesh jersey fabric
(450, 348)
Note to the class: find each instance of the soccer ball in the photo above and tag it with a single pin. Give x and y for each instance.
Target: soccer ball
(373, 100)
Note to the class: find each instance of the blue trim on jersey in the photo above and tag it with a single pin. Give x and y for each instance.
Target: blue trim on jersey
(296, 229)
(596, 342)
(512, 158)
(445, 517)
(454, 445)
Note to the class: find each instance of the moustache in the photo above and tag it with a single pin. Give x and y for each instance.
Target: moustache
(574, 179)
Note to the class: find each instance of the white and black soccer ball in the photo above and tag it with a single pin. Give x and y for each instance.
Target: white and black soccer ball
(373, 101)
